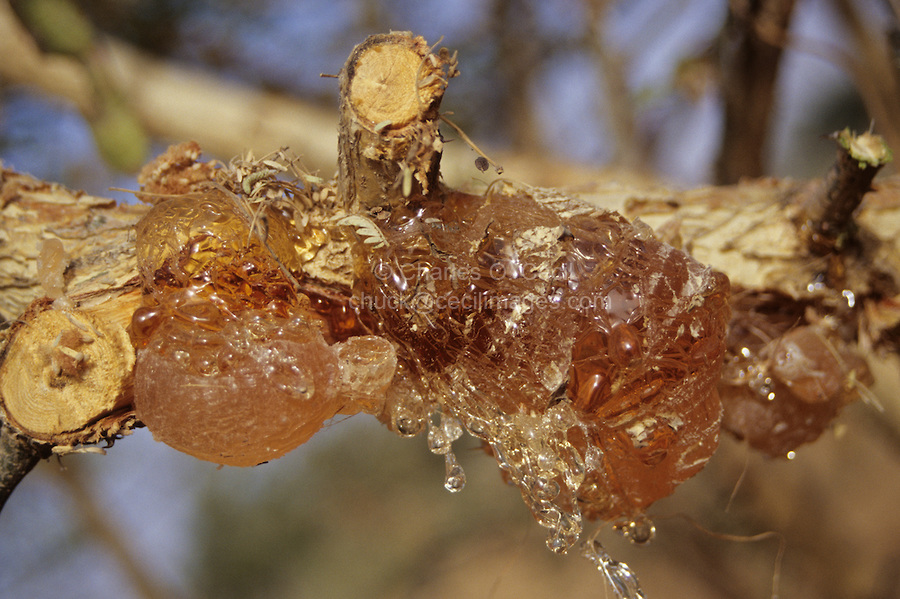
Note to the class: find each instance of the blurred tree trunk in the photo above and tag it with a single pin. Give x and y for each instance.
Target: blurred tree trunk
(751, 47)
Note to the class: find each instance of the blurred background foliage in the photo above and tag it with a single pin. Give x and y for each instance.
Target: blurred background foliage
(644, 84)
(562, 91)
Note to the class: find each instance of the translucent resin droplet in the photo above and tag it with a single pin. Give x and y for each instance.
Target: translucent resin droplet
(442, 435)
(437, 441)
(205, 395)
(618, 575)
(455, 478)
(407, 422)
(367, 369)
(639, 530)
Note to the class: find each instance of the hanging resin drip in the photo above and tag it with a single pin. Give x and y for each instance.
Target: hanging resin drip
(455, 477)
(440, 441)
(534, 451)
(617, 575)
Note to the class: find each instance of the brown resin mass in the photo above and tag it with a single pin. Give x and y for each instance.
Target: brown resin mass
(233, 364)
(582, 350)
(786, 375)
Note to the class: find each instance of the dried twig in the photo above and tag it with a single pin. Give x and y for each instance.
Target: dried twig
(829, 211)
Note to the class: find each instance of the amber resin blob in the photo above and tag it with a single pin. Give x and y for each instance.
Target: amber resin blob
(787, 371)
(583, 351)
(234, 366)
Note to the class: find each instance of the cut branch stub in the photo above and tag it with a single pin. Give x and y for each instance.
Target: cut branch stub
(65, 370)
(828, 212)
(68, 287)
(390, 145)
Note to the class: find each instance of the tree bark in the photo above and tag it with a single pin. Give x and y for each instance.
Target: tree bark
(747, 231)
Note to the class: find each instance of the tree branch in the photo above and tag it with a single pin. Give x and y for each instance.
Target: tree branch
(18, 455)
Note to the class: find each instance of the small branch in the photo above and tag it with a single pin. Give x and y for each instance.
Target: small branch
(828, 213)
(65, 360)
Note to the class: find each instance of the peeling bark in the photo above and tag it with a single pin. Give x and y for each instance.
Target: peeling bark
(65, 375)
